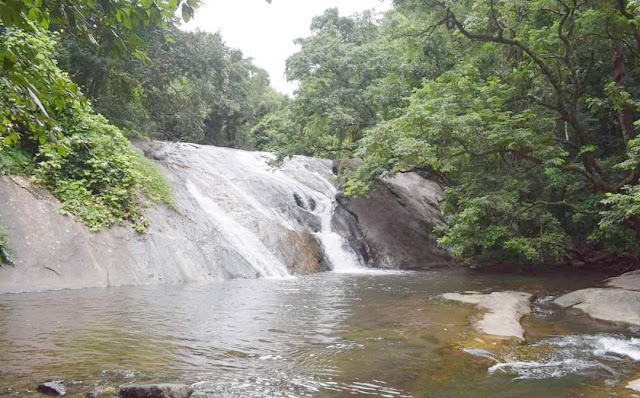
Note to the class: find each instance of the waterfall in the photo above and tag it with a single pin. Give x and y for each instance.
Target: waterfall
(335, 247)
(244, 241)
(250, 210)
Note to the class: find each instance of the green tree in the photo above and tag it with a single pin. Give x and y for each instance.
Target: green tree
(352, 72)
(108, 24)
(534, 128)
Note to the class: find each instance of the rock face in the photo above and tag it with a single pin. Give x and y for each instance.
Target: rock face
(155, 391)
(393, 227)
(237, 218)
(504, 310)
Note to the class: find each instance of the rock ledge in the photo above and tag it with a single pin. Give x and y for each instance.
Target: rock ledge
(504, 311)
(618, 303)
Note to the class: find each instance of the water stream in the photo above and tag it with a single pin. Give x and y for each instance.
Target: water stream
(333, 334)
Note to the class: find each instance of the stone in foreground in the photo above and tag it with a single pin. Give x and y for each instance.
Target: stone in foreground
(155, 391)
(53, 388)
(504, 311)
(634, 385)
(615, 305)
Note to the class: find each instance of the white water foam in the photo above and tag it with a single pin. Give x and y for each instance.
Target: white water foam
(335, 247)
(546, 370)
(576, 354)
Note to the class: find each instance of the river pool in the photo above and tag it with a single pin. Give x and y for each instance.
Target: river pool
(326, 335)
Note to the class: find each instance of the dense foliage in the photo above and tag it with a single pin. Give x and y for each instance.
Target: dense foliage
(527, 109)
(109, 25)
(86, 162)
(349, 80)
(188, 87)
(50, 130)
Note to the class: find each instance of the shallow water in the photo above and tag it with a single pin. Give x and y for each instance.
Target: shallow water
(333, 334)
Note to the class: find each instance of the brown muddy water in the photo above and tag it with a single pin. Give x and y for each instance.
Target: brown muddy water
(327, 335)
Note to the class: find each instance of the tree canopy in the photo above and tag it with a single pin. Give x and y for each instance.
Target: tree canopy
(527, 109)
(49, 128)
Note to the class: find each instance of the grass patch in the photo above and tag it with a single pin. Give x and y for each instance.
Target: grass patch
(15, 161)
(152, 182)
(5, 257)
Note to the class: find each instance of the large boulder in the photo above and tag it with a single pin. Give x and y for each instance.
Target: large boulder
(629, 281)
(615, 305)
(393, 227)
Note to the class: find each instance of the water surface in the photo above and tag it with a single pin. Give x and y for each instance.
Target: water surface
(388, 335)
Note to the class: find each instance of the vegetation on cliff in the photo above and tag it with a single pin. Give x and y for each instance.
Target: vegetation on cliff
(5, 258)
(528, 111)
(79, 76)
(49, 129)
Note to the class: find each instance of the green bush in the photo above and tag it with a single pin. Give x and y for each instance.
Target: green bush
(87, 163)
(5, 258)
(95, 176)
(15, 161)
(152, 182)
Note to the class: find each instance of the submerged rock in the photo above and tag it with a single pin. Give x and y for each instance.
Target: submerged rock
(53, 388)
(101, 392)
(616, 305)
(504, 310)
(155, 391)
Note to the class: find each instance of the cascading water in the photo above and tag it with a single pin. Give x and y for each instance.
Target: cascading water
(247, 244)
(250, 206)
(342, 260)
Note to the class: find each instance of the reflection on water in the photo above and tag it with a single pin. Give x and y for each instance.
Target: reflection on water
(387, 335)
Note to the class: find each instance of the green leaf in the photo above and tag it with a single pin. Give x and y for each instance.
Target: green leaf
(187, 13)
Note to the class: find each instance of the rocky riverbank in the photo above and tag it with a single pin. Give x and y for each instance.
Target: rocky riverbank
(618, 303)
